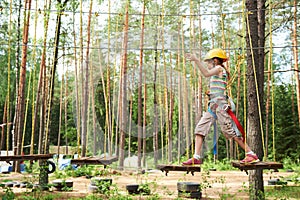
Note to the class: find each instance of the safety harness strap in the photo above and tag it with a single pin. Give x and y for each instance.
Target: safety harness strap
(236, 121)
(215, 151)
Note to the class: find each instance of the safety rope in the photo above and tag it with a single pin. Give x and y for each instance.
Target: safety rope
(108, 110)
(8, 78)
(255, 80)
(33, 84)
(51, 88)
(79, 133)
(114, 101)
(184, 91)
(244, 73)
(26, 108)
(32, 71)
(272, 78)
(192, 41)
(165, 82)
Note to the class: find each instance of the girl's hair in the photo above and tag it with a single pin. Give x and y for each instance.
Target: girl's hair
(220, 61)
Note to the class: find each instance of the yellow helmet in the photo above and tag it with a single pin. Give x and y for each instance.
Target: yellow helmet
(216, 53)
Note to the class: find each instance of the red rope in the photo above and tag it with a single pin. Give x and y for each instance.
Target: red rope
(236, 121)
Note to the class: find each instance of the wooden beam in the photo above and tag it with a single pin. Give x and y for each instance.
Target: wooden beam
(186, 168)
(26, 157)
(94, 161)
(258, 165)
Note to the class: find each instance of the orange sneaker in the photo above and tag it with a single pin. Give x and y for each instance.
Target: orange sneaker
(193, 161)
(250, 159)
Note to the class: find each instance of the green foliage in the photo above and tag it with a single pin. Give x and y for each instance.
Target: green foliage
(145, 188)
(286, 126)
(9, 194)
(81, 171)
(40, 196)
(283, 192)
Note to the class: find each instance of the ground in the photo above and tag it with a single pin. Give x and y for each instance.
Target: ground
(215, 184)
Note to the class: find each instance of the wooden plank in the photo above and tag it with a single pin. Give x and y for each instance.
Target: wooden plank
(26, 157)
(258, 165)
(94, 160)
(187, 168)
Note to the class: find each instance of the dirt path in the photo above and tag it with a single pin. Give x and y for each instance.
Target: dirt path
(214, 183)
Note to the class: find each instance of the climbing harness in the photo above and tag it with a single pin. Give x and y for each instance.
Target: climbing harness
(236, 125)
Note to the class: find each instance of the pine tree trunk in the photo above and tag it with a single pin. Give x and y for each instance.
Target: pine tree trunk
(140, 84)
(66, 113)
(20, 112)
(155, 123)
(123, 97)
(4, 122)
(255, 73)
(60, 115)
(295, 51)
(77, 100)
(86, 88)
(144, 121)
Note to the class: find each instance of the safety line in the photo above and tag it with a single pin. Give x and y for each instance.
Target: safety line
(97, 13)
(256, 84)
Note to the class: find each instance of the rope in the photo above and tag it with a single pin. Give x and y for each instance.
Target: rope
(80, 135)
(26, 110)
(184, 92)
(78, 111)
(256, 84)
(244, 75)
(272, 79)
(8, 77)
(192, 40)
(114, 96)
(119, 48)
(98, 13)
(33, 84)
(109, 114)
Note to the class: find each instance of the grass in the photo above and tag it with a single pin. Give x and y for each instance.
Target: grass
(282, 192)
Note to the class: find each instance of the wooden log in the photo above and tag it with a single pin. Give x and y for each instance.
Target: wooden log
(258, 165)
(26, 157)
(94, 161)
(187, 168)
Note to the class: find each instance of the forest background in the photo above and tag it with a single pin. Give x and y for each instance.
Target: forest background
(109, 77)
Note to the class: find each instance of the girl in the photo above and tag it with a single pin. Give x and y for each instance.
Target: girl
(218, 105)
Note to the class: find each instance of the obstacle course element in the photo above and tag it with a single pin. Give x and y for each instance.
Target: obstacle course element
(189, 190)
(26, 157)
(259, 165)
(100, 185)
(94, 161)
(63, 185)
(33, 157)
(167, 168)
(276, 181)
(137, 189)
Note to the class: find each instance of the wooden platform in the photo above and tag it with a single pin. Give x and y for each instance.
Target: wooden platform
(258, 165)
(187, 169)
(26, 157)
(94, 161)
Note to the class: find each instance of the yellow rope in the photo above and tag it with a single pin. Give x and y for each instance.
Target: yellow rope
(244, 74)
(114, 86)
(108, 108)
(256, 84)
(8, 78)
(33, 84)
(26, 110)
(192, 41)
(51, 88)
(80, 68)
(272, 78)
